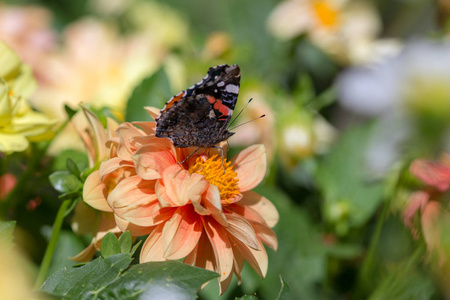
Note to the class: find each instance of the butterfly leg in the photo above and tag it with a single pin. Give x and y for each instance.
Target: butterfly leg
(188, 156)
(221, 154)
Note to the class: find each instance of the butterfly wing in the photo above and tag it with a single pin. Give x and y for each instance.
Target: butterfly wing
(199, 116)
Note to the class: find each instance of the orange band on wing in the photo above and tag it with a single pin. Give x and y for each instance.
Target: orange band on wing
(172, 101)
(218, 105)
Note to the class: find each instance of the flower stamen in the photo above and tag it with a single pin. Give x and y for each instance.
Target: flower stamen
(220, 173)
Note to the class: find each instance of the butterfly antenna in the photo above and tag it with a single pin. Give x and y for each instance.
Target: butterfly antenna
(262, 116)
(240, 112)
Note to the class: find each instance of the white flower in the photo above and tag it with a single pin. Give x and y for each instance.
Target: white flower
(344, 29)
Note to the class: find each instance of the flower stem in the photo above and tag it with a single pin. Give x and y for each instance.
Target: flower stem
(45, 265)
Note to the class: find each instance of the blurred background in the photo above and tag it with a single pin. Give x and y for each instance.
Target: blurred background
(353, 92)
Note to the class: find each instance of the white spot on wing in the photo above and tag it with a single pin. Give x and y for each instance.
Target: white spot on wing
(220, 84)
(211, 115)
(231, 88)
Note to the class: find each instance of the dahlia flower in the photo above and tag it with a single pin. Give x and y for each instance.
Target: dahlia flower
(201, 210)
(428, 201)
(94, 220)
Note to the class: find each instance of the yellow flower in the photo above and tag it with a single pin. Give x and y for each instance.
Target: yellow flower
(19, 124)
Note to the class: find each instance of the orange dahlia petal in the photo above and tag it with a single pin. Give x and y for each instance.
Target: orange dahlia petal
(152, 111)
(152, 159)
(181, 233)
(242, 230)
(111, 165)
(257, 259)
(213, 205)
(221, 246)
(432, 173)
(250, 164)
(265, 235)
(262, 206)
(152, 249)
(94, 192)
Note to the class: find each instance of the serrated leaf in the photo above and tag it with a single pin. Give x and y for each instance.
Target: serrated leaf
(152, 91)
(168, 280)
(125, 242)
(72, 167)
(110, 245)
(65, 182)
(88, 281)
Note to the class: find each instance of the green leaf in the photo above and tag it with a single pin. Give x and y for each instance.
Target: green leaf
(152, 91)
(72, 167)
(70, 112)
(65, 182)
(325, 99)
(6, 232)
(247, 297)
(350, 199)
(125, 242)
(303, 264)
(135, 247)
(110, 245)
(88, 281)
(172, 279)
(285, 291)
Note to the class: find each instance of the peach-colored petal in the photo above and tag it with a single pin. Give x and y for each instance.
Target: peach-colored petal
(94, 192)
(432, 173)
(152, 159)
(238, 262)
(416, 202)
(181, 233)
(225, 283)
(152, 111)
(134, 229)
(266, 235)
(221, 246)
(111, 165)
(180, 187)
(99, 136)
(242, 230)
(152, 249)
(206, 258)
(85, 219)
(257, 259)
(262, 205)
(126, 132)
(147, 127)
(213, 204)
(134, 200)
(86, 255)
(190, 258)
(250, 165)
(430, 219)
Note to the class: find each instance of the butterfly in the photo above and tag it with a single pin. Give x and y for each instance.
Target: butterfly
(199, 116)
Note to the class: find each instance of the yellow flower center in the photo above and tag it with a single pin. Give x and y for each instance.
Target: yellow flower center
(327, 15)
(213, 170)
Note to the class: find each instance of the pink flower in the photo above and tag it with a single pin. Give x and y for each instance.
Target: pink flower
(437, 176)
(202, 211)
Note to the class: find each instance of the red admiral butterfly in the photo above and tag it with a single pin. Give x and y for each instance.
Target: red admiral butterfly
(199, 116)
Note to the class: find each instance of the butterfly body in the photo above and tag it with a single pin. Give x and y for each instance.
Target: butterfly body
(200, 115)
